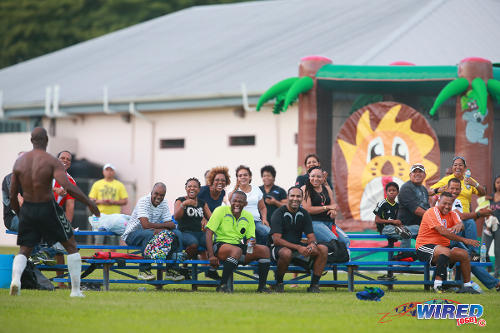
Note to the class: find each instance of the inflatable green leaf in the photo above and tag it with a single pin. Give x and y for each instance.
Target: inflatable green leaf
(277, 89)
(479, 87)
(303, 85)
(455, 87)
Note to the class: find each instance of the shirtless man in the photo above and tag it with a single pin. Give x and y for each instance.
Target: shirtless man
(40, 216)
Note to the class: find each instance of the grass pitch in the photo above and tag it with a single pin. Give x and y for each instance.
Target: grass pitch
(128, 309)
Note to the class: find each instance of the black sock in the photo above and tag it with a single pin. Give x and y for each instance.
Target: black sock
(279, 278)
(263, 270)
(315, 279)
(230, 265)
(442, 266)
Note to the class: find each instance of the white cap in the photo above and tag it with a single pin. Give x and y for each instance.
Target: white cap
(417, 166)
(108, 165)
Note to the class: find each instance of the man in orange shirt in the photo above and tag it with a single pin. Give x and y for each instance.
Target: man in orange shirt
(440, 225)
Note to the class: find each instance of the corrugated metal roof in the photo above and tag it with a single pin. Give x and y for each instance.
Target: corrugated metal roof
(208, 51)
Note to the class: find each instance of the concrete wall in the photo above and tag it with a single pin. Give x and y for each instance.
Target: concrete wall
(132, 144)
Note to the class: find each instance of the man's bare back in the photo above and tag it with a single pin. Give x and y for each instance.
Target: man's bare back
(35, 171)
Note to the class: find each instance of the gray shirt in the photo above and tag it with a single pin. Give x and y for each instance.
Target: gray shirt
(411, 197)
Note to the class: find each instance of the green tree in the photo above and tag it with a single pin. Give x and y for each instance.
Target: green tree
(31, 28)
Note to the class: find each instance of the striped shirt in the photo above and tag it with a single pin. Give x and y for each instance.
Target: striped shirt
(144, 208)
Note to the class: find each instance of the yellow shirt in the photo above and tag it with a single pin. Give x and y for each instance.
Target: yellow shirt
(104, 190)
(465, 195)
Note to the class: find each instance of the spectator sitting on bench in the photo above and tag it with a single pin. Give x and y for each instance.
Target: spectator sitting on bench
(151, 215)
(191, 214)
(386, 216)
(440, 225)
(287, 225)
(231, 225)
(10, 218)
(413, 200)
(213, 193)
(455, 187)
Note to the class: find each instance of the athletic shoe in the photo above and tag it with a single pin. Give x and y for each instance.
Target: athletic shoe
(212, 274)
(403, 231)
(467, 290)
(445, 289)
(313, 289)
(15, 290)
(146, 275)
(474, 257)
(264, 290)
(279, 288)
(386, 277)
(172, 274)
(223, 288)
(184, 271)
(42, 258)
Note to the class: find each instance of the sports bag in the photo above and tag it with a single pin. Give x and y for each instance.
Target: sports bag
(337, 251)
(161, 245)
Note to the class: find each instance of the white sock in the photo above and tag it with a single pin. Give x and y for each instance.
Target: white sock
(438, 283)
(18, 267)
(75, 269)
(468, 284)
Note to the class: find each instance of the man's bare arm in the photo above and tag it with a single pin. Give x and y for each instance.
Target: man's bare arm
(13, 192)
(60, 175)
(451, 236)
(148, 225)
(419, 211)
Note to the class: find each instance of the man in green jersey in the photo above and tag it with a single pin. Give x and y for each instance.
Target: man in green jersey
(232, 226)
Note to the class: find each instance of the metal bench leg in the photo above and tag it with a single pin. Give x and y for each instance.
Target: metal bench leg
(335, 275)
(105, 276)
(427, 275)
(350, 278)
(159, 276)
(194, 277)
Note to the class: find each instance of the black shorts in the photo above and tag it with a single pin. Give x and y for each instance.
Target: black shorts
(297, 258)
(425, 253)
(45, 220)
(218, 245)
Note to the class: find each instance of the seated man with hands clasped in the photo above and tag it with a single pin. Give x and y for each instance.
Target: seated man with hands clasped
(440, 225)
(287, 225)
(231, 225)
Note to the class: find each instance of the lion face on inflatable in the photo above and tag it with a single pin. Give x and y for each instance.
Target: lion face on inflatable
(380, 155)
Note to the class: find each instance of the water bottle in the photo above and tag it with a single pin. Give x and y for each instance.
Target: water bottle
(476, 287)
(483, 253)
(467, 175)
(250, 245)
(450, 274)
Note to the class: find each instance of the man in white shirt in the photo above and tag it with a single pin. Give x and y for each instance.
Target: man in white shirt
(150, 215)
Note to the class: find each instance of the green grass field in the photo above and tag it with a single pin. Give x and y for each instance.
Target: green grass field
(127, 309)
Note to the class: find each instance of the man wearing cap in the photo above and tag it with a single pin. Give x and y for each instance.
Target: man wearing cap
(413, 202)
(109, 194)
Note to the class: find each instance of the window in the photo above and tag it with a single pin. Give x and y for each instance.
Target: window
(7, 126)
(245, 140)
(171, 143)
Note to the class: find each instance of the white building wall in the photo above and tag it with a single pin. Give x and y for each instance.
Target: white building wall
(133, 146)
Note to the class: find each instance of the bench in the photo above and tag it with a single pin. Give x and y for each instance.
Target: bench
(353, 268)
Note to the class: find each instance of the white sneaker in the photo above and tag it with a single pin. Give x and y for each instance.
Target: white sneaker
(146, 275)
(76, 294)
(15, 290)
(172, 274)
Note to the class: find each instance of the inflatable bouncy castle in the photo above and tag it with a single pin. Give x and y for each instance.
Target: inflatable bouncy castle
(369, 124)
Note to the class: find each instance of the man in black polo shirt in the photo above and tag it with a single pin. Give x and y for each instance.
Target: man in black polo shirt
(287, 225)
(413, 202)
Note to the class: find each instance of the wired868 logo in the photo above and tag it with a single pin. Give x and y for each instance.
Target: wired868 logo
(463, 313)
(438, 309)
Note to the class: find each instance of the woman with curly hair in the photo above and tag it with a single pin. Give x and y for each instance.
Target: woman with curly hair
(213, 193)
